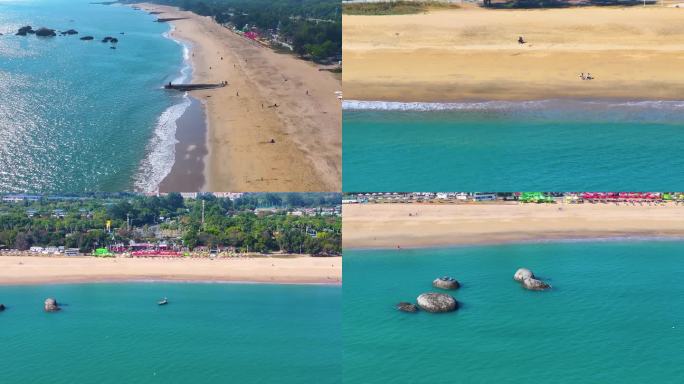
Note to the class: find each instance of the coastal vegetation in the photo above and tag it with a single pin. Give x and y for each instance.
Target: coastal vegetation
(258, 222)
(393, 7)
(312, 28)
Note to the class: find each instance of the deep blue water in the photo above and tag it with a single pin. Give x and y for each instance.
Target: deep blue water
(208, 333)
(615, 314)
(76, 115)
(552, 145)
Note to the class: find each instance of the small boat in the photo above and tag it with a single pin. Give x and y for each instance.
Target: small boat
(164, 301)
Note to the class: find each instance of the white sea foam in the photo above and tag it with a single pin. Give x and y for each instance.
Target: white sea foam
(505, 105)
(161, 150)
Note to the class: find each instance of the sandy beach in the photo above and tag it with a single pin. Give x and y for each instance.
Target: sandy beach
(243, 119)
(389, 225)
(473, 54)
(284, 270)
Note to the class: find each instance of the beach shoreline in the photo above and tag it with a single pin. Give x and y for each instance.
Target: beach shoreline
(387, 226)
(472, 54)
(28, 270)
(252, 145)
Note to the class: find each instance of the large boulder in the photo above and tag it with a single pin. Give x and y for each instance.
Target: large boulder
(445, 282)
(534, 284)
(522, 274)
(51, 305)
(2, 307)
(45, 32)
(436, 302)
(23, 31)
(407, 307)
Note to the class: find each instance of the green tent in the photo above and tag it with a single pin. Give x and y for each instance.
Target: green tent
(103, 252)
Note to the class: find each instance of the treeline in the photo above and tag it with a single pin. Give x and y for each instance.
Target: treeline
(82, 223)
(393, 7)
(529, 4)
(313, 26)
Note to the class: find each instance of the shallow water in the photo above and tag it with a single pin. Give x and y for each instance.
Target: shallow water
(208, 333)
(76, 115)
(614, 315)
(513, 146)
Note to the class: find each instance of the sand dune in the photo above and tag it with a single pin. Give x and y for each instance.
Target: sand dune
(306, 155)
(473, 54)
(389, 225)
(44, 269)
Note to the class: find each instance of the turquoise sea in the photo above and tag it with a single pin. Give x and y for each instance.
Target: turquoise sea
(614, 315)
(513, 146)
(208, 333)
(78, 116)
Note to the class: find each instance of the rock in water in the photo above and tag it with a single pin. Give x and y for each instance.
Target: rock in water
(407, 307)
(2, 307)
(437, 302)
(534, 284)
(23, 31)
(522, 274)
(70, 32)
(446, 282)
(87, 38)
(45, 32)
(51, 305)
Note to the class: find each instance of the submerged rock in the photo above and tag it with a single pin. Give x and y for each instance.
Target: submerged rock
(51, 305)
(70, 32)
(522, 274)
(45, 32)
(535, 284)
(107, 39)
(407, 307)
(23, 31)
(2, 307)
(87, 38)
(437, 302)
(446, 282)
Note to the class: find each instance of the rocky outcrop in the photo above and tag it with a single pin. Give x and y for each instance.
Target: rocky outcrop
(529, 281)
(436, 302)
(446, 282)
(69, 32)
(87, 38)
(2, 307)
(23, 31)
(407, 307)
(109, 39)
(51, 305)
(45, 32)
(522, 274)
(534, 284)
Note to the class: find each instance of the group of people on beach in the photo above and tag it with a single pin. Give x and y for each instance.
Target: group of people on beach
(588, 76)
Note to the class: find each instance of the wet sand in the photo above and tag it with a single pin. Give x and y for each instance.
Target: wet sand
(389, 225)
(66, 269)
(187, 174)
(473, 54)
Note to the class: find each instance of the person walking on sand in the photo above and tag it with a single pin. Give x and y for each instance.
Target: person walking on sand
(521, 40)
(581, 76)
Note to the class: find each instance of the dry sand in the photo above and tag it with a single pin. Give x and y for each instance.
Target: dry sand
(473, 54)
(306, 155)
(48, 269)
(389, 225)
